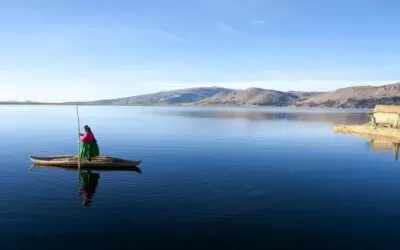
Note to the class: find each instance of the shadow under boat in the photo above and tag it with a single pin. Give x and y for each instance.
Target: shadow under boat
(100, 169)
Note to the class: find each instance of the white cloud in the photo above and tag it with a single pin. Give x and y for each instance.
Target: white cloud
(131, 33)
(258, 22)
(170, 36)
(72, 37)
(225, 28)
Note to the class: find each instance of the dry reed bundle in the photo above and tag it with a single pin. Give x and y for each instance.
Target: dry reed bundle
(368, 131)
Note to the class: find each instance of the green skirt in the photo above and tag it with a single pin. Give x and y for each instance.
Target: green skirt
(89, 150)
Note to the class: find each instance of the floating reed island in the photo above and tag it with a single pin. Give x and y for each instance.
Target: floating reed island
(384, 122)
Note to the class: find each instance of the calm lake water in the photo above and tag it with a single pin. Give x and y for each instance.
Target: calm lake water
(211, 179)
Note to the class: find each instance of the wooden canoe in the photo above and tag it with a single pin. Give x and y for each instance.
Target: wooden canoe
(71, 161)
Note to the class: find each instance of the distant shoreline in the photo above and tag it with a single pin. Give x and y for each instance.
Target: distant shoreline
(171, 105)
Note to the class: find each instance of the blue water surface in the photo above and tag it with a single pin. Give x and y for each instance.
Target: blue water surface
(211, 179)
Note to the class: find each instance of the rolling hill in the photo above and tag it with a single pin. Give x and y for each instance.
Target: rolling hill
(213, 96)
(181, 96)
(351, 97)
(251, 97)
(356, 97)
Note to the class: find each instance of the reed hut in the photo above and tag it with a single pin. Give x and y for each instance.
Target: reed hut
(386, 116)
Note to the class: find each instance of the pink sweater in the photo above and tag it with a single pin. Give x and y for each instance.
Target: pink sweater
(88, 137)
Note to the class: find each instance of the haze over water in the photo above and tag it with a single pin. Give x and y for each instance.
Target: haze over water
(211, 179)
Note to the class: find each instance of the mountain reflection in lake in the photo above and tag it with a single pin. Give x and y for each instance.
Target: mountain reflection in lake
(329, 116)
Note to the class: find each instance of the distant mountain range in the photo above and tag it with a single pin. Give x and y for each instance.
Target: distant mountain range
(181, 96)
(255, 97)
(356, 97)
(352, 97)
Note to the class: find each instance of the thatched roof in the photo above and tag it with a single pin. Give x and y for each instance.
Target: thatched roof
(387, 109)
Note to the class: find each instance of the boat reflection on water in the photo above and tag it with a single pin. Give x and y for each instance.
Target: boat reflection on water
(102, 169)
(88, 180)
(385, 145)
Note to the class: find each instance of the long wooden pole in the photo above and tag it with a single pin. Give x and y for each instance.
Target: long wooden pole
(79, 138)
(79, 154)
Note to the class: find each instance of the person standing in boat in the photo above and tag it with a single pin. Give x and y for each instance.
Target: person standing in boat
(88, 145)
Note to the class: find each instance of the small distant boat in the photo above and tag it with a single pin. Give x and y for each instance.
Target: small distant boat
(98, 162)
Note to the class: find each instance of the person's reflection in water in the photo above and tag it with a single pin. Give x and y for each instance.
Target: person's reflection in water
(88, 182)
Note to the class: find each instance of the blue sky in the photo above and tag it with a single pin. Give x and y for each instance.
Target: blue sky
(64, 50)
